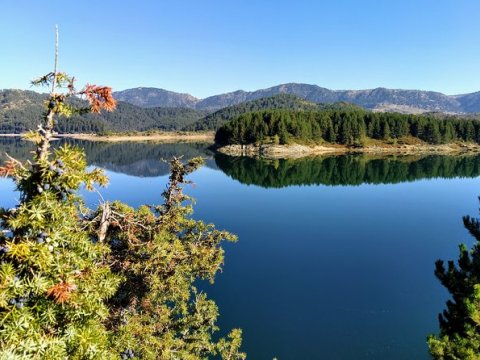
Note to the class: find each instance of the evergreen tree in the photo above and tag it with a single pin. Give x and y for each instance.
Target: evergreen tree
(448, 132)
(459, 336)
(377, 128)
(348, 127)
(386, 131)
(432, 133)
(469, 131)
(109, 284)
(160, 253)
(53, 277)
(282, 132)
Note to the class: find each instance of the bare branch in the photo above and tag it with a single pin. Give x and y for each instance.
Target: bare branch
(54, 82)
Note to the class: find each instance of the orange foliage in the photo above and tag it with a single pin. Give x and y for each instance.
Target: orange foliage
(8, 169)
(99, 97)
(61, 292)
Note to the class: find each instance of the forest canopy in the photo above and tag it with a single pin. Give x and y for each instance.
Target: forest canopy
(281, 101)
(343, 126)
(20, 111)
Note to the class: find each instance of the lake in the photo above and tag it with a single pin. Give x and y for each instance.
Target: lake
(335, 256)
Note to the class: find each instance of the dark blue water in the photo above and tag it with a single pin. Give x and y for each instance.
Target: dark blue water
(336, 266)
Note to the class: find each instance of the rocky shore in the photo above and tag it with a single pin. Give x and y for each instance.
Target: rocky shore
(298, 151)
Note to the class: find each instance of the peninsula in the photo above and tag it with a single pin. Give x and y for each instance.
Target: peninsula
(289, 133)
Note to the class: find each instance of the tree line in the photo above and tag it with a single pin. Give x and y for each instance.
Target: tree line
(280, 101)
(343, 126)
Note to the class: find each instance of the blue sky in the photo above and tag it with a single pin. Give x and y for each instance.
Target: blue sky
(208, 47)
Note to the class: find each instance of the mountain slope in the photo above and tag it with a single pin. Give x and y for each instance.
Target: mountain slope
(152, 97)
(21, 110)
(390, 99)
(376, 99)
(470, 103)
(379, 99)
(280, 101)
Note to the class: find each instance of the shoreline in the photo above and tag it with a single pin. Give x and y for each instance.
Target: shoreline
(277, 151)
(157, 137)
(299, 151)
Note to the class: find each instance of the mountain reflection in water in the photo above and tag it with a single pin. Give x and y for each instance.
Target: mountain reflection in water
(147, 159)
(142, 159)
(343, 271)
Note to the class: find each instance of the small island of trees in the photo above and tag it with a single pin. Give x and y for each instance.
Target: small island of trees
(348, 126)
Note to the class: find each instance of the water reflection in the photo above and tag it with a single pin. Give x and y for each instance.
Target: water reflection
(142, 159)
(338, 272)
(346, 169)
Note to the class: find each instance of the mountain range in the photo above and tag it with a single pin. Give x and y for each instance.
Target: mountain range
(145, 109)
(379, 99)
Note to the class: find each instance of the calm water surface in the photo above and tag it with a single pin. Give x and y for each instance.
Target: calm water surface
(335, 256)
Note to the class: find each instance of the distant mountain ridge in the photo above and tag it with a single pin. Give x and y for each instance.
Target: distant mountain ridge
(379, 99)
(153, 97)
(20, 109)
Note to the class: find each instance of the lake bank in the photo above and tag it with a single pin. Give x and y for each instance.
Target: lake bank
(277, 151)
(298, 151)
(157, 137)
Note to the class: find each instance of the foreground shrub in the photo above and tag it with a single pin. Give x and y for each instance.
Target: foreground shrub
(112, 283)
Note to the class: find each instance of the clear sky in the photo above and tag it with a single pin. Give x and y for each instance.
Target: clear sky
(206, 47)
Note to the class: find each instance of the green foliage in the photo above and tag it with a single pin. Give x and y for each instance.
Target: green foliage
(112, 283)
(459, 336)
(19, 112)
(280, 101)
(346, 126)
(161, 252)
(54, 279)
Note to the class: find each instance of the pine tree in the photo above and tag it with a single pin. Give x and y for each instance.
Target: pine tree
(468, 131)
(432, 132)
(386, 131)
(448, 133)
(459, 336)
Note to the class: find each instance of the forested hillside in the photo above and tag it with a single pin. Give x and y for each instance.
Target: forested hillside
(280, 101)
(153, 97)
(220, 117)
(347, 127)
(19, 111)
